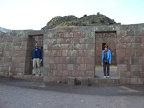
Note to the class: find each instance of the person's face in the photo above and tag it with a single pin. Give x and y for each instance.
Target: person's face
(106, 48)
(36, 46)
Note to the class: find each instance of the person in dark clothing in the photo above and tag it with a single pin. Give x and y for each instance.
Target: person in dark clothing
(106, 61)
(36, 58)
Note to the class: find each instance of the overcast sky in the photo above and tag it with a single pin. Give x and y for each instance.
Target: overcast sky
(34, 14)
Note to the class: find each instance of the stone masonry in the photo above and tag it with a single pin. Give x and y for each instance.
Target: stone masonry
(73, 52)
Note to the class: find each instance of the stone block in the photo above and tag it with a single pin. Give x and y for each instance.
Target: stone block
(58, 53)
(134, 60)
(64, 46)
(67, 41)
(137, 68)
(91, 47)
(138, 52)
(122, 74)
(77, 34)
(64, 52)
(76, 40)
(81, 53)
(82, 73)
(141, 60)
(82, 46)
(141, 75)
(90, 67)
(19, 74)
(70, 66)
(90, 74)
(67, 60)
(65, 73)
(113, 81)
(120, 53)
(89, 53)
(128, 74)
(82, 40)
(57, 73)
(140, 80)
(56, 60)
(122, 80)
(135, 74)
(134, 80)
(56, 47)
(71, 80)
(83, 81)
(62, 60)
(72, 53)
(80, 60)
(19, 54)
(53, 66)
(1, 73)
(77, 47)
(64, 66)
(51, 59)
(82, 67)
(75, 73)
(59, 67)
(68, 35)
(89, 60)
(122, 67)
(50, 72)
(90, 41)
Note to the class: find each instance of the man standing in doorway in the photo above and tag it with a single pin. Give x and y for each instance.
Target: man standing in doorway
(106, 61)
(36, 58)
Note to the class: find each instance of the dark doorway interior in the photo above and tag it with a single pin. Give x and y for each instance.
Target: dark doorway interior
(32, 39)
(103, 44)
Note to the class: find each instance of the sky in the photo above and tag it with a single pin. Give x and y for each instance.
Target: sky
(35, 14)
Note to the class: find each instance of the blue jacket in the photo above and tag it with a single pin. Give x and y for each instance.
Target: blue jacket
(109, 56)
(36, 53)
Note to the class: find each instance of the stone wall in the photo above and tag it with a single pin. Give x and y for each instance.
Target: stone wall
(72, 52)
(69, 52)
(13, 52)
(130, 53)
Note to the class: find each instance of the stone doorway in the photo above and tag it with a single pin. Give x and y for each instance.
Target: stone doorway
(32, 39)
(105, 38)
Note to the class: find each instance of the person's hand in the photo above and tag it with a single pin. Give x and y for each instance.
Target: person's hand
(102, 63)
(40, 60)
(109, 62)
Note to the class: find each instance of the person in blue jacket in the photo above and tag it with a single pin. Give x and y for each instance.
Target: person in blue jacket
(36, 58)
(106, 61)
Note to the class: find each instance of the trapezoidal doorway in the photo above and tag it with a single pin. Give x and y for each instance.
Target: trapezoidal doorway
(105, 38)
(32, 40)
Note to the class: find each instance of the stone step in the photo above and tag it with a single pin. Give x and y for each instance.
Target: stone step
(104, 81)
(30, 77)
(85, 81)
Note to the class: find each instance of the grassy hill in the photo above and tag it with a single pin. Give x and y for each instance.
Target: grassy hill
(71, 20)
(4, 29)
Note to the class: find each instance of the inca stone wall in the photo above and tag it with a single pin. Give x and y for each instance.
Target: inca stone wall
(69, 52)
(73, 51)
(12, 53)
(130, 53)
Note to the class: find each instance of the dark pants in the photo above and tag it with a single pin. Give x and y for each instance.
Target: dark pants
(106, 69)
